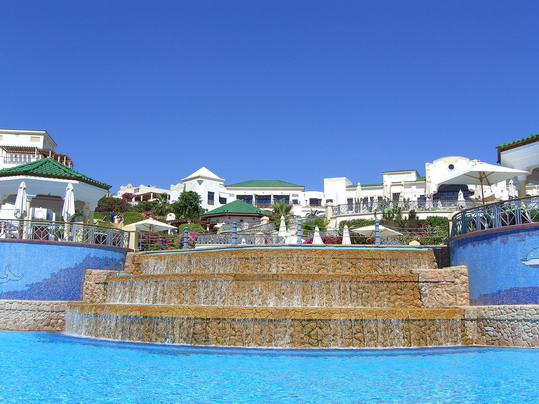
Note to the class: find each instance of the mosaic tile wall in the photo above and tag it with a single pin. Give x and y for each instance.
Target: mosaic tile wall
(46, 271)
(503, 266)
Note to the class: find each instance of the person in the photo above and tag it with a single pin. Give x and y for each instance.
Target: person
(112, 217)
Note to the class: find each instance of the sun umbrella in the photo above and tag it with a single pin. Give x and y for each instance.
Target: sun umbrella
(512, 190)
(358, 192)
(401, 200)
(346, 236)
(282, 228)
(68, 210)
(20, 201)
(152, 225)
(375, 204)
(460, 200)
(413, 202)
(368, 231)
(483, 174)
(317, 240)
(429, 203)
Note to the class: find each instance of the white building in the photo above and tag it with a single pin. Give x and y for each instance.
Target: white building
(340, 197)
(523, 154)
(25, 146)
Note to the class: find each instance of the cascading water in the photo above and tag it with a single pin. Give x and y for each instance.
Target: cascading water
(271, 298)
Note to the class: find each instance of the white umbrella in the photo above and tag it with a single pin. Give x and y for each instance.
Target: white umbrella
(20, 201)
(358, 192)
(511, 189)
(346, 236)
(68, 210)
(429, 203)
(483, 174)
(401, 200)
(369, 231)
(317, 240)
(282, 228)
(152, 225)
(460, 200)
(413, 202)
(375, 204)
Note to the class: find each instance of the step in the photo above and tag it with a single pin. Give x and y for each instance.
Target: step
(367, 260)
(271, 290)
(268, 327)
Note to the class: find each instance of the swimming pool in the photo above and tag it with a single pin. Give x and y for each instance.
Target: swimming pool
(38, 367)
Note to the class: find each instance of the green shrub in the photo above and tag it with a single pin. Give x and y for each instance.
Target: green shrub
(193, 228)
(102, 216)
(309, 225)
(436, 222)
(132, 217)
(355, 223)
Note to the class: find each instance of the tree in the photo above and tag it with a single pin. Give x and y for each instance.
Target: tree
(162, 207)
(187, 206)
(310, 225)
(110, 204)
(280, 209)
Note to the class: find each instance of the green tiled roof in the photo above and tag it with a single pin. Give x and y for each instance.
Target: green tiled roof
(398, 171)
(265, 184)
(237, 207)
(50, 168)
(372, 185)
(354, 186)
(532, 136)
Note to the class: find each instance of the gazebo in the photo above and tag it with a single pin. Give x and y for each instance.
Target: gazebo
(46, 184)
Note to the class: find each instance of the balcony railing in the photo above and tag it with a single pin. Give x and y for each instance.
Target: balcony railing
(63, 232)
(496, 215)
(405, 206)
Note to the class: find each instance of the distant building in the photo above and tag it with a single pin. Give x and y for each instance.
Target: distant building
(237, 210)
(25, 146)
(523, 154)
(426, 194)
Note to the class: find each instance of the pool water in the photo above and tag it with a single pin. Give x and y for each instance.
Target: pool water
(37, 367)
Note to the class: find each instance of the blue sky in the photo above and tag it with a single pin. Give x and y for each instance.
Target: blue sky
(146, 92)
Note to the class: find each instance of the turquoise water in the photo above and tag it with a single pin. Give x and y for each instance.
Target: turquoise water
(37, 367)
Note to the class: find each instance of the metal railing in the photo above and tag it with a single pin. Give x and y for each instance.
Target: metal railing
(405, 206)
(495, 215)
(63, 232)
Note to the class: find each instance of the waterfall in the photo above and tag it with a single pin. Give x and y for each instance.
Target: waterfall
(260, 297)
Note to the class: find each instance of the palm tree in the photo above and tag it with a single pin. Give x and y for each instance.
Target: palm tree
(281, 208)
(162, 205)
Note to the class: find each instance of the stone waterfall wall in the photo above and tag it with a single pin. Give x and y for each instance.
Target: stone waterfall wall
(445, 287)
(32, 315)
(47, 315)
(511, 325)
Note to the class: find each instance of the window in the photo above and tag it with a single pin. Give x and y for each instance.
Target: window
(315, 202)
(283, 198)
(34, 138)
(222, 200)
(329, 200)
(263, 201)
(295, 201)
(211, 198)
(245, 198)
